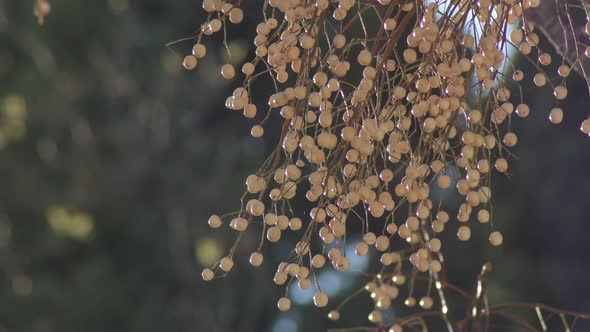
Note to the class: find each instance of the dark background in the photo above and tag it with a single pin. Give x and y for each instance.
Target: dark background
(112, 158)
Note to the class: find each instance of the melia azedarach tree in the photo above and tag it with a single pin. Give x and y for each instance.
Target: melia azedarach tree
(377, 122)
(385, 105)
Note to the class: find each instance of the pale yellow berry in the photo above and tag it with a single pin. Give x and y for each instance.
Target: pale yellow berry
(228, 72)
(464, 233)
(496, 238)
(250, 111)
(585, 126)
(248, 68)
(212, 5)
(270, 219)
(404, 232)
(468, 41)
(437, 166)
(435, 266)
(540, 79)
(304, 284)
(320, 299)
(207, 274)
(434, 245)
(262, 29)
(426, 302)
(534, 3)
(361, 249)
(382, 243)
(475, 117)
(255, 207)
(563, 70)
(280, 277)
(391, 228)
(560, 92)
(501, 165)
(525, 48)
(376, 209)
(490, 142)
(438, 226)
(320, 79)
(412, 223)
(370, 238)
(522, 110)
(444, 181)
(292, 269)
(199, 51)
(396, 328)
(334, 253)
(399, 279)
(226, 264)
(338, 41)
(257, 131)
(483, 216)
(410, 55)
(318, 261)
(306, 42)
(273, 234)
(212, 26)
(422, 212)
(302, 248)
(239, 224)
(510, 139)
(256, 258)
(215, 221)
(295, 224)
(390, 65)
(341, 263)
(386, 175)
(189, 62)
(386, 259)
(236, 15)
(410, 302)
(443, 216)
(375, 316)
(334, 315)
(518, 75)
(545, 59)
(272, 23)
(516, 36)
(284, 304)
(365, 58)
(556, 115)
(390, 24)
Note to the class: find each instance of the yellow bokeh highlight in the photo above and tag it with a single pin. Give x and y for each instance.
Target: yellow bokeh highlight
(76, 225)
(170, 63)
(13, 117)
(207, 252)
(119, 6)
(238, 50)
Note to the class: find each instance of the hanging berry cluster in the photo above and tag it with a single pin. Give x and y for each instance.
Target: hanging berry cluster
(386, 105)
